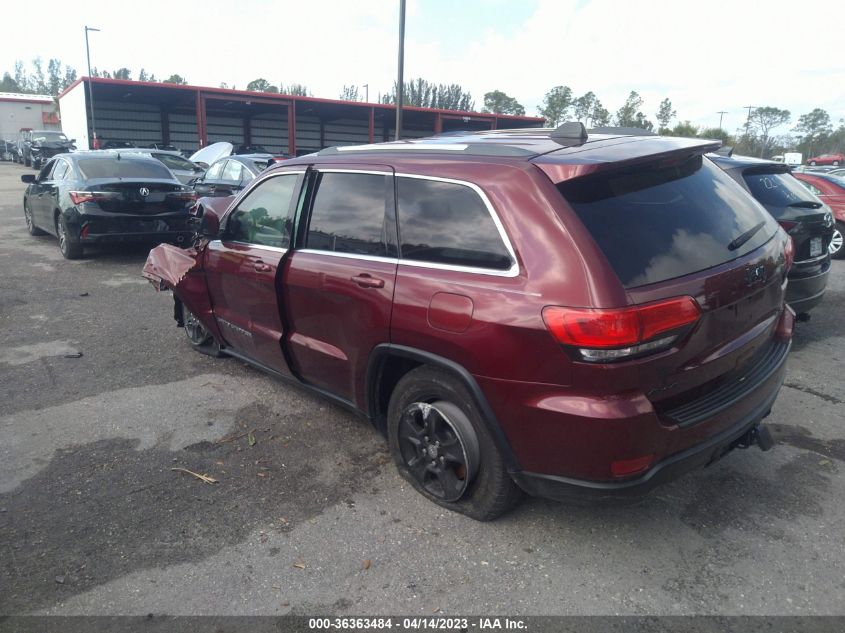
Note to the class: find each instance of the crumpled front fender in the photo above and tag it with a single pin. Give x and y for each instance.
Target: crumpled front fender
(169, 267)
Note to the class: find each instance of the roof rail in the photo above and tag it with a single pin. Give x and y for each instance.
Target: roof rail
(569, 133)
(628, 131)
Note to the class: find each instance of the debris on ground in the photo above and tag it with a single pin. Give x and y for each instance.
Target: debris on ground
(73, 355)
(205, 478)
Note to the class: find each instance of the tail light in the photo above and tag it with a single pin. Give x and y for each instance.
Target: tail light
(78, 197)
(187, 196)
(788, 253)
(787, 225)
(601, 335)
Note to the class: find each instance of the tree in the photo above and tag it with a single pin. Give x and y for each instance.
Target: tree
(600, 115)
(424, 94)
(7, 84)
(295, 89)
(556, 105)
(717, 133)
(764, 120)
(122, 73)
(176, 79)
(349, 93)
(583, 106)
(813, 128)
(685, 129)
(665, 114)
(143, 76)
(39, 83)
(629, 115)
(500, 103)
(261, 85)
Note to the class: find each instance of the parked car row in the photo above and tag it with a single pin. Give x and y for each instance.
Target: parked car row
(540, 311)
(36, 147)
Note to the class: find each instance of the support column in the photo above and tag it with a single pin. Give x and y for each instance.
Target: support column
(165, 125)
(372, 125)
(292, 129)
(322, 133)
(438, 123)
(247, 130)
(201, 123)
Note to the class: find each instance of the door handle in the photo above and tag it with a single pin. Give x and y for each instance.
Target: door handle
(261, 267)
(367, 281)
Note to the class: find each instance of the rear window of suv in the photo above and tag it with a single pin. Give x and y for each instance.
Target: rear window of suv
(660, 221)
(777, 190)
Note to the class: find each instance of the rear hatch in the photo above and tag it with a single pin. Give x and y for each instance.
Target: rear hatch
(672, 226)
(807, 220)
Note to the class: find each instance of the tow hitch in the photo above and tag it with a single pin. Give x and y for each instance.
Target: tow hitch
(759, 435)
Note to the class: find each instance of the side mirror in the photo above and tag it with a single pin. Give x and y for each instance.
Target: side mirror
(28, 178)
(210, 225)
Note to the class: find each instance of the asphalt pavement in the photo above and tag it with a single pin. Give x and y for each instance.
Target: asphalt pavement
(309, 515)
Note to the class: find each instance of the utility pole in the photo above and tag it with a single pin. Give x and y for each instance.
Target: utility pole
(400, 84)
(721, 113)
(748, 120)
(90, 87)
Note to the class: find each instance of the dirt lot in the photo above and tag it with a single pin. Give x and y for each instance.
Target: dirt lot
(94, 521)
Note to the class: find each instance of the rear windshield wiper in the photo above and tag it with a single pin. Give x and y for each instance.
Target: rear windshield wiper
(805, 204)
(742, 239)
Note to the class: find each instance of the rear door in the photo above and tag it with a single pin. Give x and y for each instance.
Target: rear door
(241, 269)
(338, 284)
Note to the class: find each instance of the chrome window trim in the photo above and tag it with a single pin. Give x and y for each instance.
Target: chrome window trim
(513, 271)
(273, 249)
(369, 258)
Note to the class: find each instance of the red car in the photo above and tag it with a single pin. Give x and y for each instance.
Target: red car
(516, 310)
(831, 191)
(827, 159)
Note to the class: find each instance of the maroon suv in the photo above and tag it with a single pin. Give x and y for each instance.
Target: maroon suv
(517, 310)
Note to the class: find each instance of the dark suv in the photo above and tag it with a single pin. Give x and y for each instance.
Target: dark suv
(801, 214)
(517, 310)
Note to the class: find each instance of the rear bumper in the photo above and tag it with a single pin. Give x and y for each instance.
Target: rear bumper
(571, 446)
(669, 469)
(95, 228)
(804, 292)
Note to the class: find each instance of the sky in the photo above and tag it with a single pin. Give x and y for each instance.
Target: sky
(704, 55)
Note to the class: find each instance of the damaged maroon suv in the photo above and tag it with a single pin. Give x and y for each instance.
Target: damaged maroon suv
(517, 310)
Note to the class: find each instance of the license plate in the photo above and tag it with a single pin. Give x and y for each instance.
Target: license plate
(815, 247)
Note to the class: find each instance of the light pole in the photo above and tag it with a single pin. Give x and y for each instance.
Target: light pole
(90, 87)
(366, 93)
(401, 82)
(721, 113)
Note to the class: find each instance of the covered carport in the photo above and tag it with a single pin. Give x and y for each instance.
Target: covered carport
(190, 117)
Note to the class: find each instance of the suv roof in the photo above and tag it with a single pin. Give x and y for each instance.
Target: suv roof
(570, 143)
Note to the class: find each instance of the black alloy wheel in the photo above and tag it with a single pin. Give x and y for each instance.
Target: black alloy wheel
(439, 448)
(69, 248)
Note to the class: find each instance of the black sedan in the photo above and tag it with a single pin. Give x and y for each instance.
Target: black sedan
(94, 197)
(807, 220)
(229, 175)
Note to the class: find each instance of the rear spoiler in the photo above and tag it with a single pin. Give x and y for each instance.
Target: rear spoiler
(575, 162)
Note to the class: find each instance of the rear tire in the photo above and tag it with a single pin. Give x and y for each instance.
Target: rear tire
(835, 248)
(30, 226)
(69, 248)
(442, 447)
